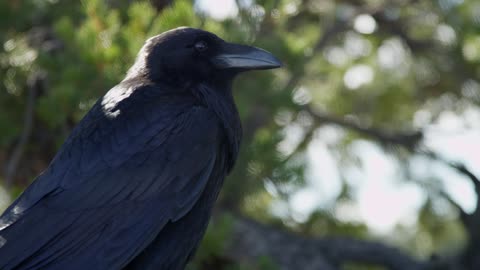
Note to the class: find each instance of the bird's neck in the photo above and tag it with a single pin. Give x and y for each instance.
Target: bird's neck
(220, 101)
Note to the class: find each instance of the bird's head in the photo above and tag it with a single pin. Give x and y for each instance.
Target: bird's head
(189, 55)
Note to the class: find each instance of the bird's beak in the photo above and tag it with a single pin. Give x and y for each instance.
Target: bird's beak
(235, 56)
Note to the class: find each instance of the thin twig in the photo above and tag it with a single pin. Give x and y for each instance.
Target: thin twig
(35, 85)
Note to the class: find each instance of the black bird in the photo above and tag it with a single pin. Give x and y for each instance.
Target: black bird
(133, 185)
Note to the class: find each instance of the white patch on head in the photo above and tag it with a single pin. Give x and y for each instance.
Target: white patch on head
(140, 62)
(141, 59)
(178, 28)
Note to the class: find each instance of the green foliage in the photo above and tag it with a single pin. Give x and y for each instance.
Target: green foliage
(98, 41)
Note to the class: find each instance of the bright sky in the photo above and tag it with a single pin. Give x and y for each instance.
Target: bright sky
(383, 199)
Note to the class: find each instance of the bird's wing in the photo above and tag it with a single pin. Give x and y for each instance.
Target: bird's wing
(115, 183)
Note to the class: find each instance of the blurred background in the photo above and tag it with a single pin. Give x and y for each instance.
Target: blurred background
(362, 153)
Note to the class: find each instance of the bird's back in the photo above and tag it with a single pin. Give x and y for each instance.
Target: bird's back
(176, 251)
(139, 174)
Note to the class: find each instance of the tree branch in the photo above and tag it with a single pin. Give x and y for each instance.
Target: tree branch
(368, 252)
(411, 141)
(290, 251)
(35, 85)
(471, 222)
(408, 140)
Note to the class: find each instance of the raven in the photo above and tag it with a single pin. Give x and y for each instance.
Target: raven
(133, 185)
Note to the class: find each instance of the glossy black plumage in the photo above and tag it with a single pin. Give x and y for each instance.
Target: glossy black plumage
(133, 185)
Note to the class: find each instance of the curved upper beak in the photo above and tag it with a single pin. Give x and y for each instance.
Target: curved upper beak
(235, 56)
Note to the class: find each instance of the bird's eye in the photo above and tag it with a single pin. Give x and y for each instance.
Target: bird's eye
(201, 46)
